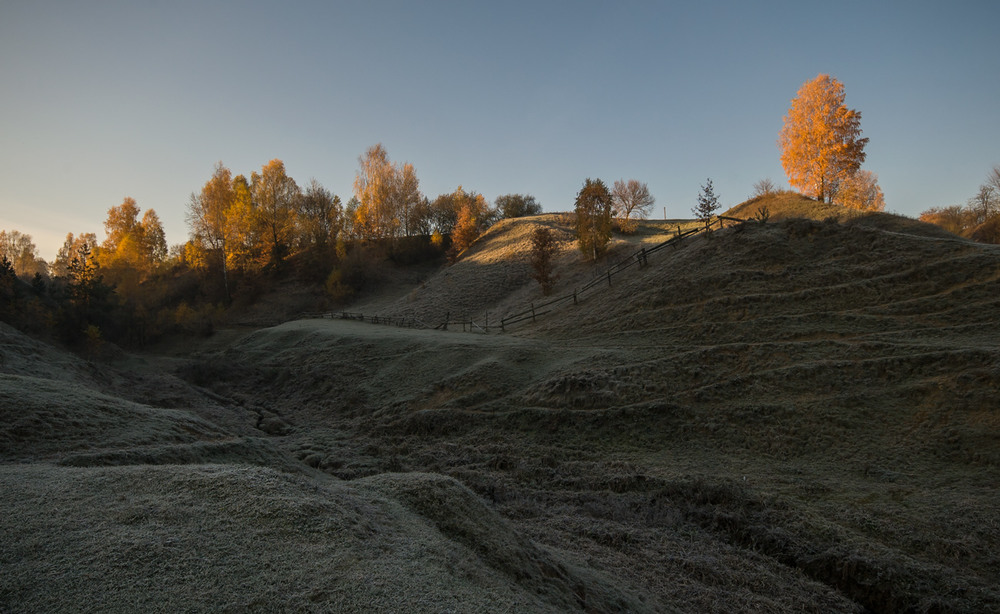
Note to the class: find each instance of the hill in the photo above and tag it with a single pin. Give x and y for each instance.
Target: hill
(792, 416)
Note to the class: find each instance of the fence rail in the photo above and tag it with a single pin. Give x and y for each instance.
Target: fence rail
(536, 310)
(640, 258)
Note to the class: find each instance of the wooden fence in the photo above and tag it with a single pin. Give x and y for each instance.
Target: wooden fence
(640, 258)
(535, 310)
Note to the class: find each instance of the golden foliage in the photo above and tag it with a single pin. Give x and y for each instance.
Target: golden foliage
(860, 191)
(275, 196)
(820, 141)
(387, 194)
(466, 231)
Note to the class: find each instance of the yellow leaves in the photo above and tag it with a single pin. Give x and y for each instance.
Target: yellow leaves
(386, 193)
(820, 140)
(132, 248)
(860, 191)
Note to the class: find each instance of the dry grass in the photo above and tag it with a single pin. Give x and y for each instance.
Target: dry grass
(796, 416)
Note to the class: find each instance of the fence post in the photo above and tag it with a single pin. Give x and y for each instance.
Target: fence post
(609, 277)
(447, 316)
(532, 312)
(486, 326)
(574, 296)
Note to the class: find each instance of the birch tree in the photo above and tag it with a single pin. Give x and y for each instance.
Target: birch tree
(820, 141)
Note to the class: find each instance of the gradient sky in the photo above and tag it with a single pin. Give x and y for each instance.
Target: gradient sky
(102, 100)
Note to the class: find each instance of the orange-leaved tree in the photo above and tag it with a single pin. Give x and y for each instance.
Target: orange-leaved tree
(820, 141)
(275, 198)
(860, 191)
(473, 216)
(131, 244)
(387, 194)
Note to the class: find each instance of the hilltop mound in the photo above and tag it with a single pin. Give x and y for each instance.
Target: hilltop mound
(792, 205)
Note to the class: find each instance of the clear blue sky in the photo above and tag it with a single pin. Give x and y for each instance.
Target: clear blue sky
(102, 100)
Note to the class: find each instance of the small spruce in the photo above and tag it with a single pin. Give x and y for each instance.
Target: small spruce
(708, 204)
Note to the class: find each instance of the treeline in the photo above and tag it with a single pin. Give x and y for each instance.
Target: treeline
(245, 234)
(978, 219)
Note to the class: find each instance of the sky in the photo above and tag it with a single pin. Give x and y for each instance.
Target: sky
(106, 100)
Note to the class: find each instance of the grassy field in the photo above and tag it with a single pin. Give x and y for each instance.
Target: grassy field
(797, 416)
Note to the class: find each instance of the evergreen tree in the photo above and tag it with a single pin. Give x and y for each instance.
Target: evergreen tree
(708, 204)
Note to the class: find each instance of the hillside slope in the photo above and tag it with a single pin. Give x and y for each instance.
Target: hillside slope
(797, 416)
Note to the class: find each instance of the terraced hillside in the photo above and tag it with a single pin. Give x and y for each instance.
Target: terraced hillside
(785, 417)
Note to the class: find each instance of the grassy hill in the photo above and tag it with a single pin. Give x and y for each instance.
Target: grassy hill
(795, 416)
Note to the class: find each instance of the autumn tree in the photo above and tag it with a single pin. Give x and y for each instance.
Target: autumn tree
(132, 244)
(22, 254)
(473, 216)
(446, 208)
(407, 199)
(820, 141)
(860, 190)
(243, 239)
(207, 216)
(153, 238)
(373, 187)
(85, 281)
(73, 247)
(386, 194)
(708, 204)
(320, 215)
(275, 198)
(543, 248)
(979, 219)
(954, 219)
(420, 218)
(444, 213)
(464, 233)
(122, 222)
(631, 201)
(517, 205)
(593, 218)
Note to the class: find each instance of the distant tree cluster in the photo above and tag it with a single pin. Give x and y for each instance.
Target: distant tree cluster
(517, 205)
(21, 254)
(822, 149)
(246, 232)
(598, 210)
(979, 218)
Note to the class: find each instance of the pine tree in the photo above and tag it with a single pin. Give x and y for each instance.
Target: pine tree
(708, 204)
